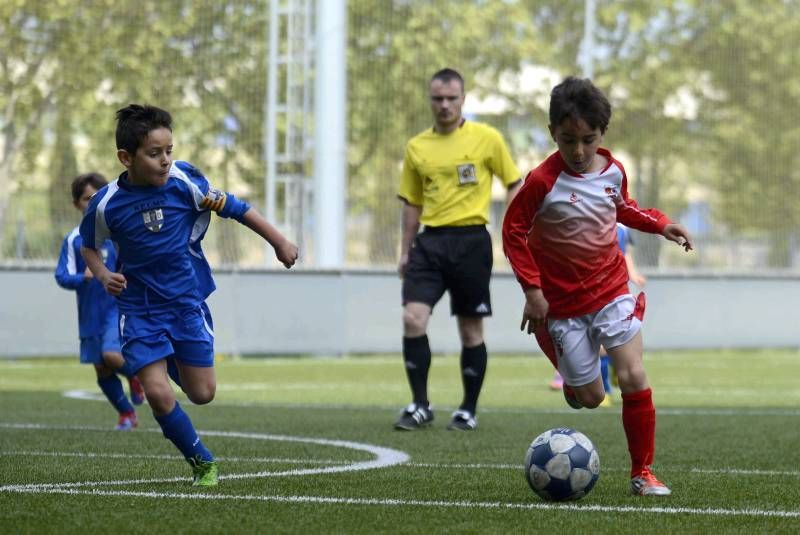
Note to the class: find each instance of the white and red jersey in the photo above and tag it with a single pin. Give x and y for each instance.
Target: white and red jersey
(560, 235)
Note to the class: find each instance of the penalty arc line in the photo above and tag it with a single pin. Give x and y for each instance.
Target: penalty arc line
(384, 457)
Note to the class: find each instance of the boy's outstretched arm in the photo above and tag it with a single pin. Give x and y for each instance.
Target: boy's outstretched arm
(678, 234)
(114, 283)
(285, 251)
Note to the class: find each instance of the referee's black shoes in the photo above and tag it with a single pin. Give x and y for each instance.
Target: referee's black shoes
(463, 421)
(414, 417)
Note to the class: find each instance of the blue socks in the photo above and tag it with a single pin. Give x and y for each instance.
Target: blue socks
(604, 362)
(178, 428)
(125, 370)
(112, 388)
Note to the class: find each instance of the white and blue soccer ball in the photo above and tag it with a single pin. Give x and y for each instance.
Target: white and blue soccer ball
(562, 464)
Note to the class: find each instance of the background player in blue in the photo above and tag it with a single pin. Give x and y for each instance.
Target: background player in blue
(98, 318)
(154, 212)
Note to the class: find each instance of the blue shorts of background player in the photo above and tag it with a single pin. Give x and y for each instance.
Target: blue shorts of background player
(97, 312)
(93, 347)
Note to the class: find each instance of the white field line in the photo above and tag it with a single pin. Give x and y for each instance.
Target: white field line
(382, 502)
(105, 455)
(385, 457)
(439, 466)
(613, 411)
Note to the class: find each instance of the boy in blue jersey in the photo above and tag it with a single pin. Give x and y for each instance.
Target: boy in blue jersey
(98, 318)
(156, 212)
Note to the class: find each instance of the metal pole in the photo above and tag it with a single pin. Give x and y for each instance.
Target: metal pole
(586, 54)
(270, 120)
(330, 92)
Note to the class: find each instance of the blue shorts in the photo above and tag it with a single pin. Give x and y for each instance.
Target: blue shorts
(93, 347)
(185, 334)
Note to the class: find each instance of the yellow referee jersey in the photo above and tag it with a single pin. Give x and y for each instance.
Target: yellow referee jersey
(450, 175)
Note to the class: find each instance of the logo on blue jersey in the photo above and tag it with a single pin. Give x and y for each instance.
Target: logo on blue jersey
(153, 219)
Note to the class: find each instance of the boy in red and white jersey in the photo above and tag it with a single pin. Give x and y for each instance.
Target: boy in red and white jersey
(560, 237)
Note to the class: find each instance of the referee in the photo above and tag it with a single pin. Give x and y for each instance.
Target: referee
(446, 186)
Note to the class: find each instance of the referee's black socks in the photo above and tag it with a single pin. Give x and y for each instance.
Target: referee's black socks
(473, 370)
(417, 357)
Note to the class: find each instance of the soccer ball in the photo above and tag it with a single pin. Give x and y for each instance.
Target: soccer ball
(562, 464)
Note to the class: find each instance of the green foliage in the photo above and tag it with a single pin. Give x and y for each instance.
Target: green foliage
(703, 92)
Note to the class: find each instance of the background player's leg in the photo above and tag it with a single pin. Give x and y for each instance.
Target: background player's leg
(114, 360)
(173, 372)
(111, 387)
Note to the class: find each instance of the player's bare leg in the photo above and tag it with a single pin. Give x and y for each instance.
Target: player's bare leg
(638, 416)
(590, 395)
(175, 423)
(155, 382)
(199, 383)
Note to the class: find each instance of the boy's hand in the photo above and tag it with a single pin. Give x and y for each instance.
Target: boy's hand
(534, 314)
(678, 234)
(114, 283)
(87, 274)
(286, 252)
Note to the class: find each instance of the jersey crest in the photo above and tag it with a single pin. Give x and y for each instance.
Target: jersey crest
(153, 219)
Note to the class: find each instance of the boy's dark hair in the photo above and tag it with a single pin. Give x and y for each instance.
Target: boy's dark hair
(447, 75)
(135, 121)
(79, 183)
(578, 98)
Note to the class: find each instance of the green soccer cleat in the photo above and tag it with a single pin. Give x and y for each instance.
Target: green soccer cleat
(206, 473)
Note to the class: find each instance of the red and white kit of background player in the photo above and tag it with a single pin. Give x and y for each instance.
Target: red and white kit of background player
(560, 237)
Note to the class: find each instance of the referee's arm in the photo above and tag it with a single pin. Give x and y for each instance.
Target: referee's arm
(410, 227)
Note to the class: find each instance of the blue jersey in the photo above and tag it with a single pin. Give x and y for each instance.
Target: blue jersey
(94, 304)
(157, 231)
(624, 237)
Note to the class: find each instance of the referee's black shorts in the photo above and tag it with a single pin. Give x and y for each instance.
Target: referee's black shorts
(453, 259)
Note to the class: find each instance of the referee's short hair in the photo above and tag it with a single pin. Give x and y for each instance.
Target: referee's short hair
(447, 75)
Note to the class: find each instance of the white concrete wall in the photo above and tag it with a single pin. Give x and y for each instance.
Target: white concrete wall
(338, 312)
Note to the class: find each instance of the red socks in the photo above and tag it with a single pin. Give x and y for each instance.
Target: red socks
(639, 421)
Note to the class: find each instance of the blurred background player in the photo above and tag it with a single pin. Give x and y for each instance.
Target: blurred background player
(560, 237)
(153, 211)
(446, 186)
(98, 318)
(625, 243)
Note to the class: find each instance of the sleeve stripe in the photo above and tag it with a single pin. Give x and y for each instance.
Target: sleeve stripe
(72, 267)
